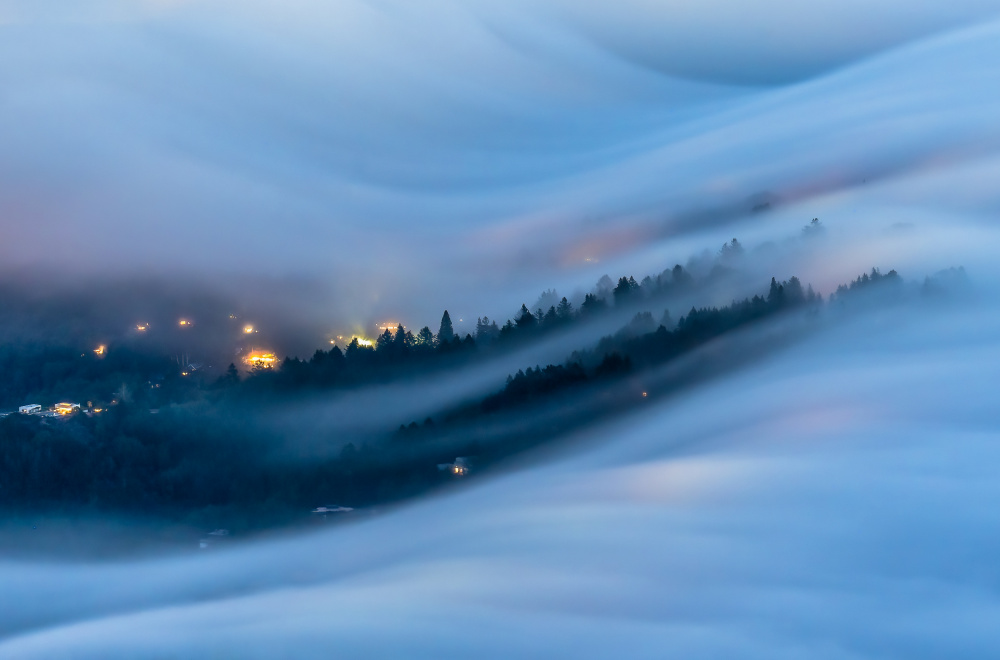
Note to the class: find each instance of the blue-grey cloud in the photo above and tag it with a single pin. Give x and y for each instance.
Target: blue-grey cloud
(835, 501)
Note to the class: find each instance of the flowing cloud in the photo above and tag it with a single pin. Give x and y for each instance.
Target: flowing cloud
(833, 501)
(219, 140)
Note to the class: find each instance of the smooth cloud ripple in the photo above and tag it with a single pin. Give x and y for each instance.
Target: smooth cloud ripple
(836, 501)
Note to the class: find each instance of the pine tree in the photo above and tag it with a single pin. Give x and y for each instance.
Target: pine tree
(592, 305)
(446, 332)
(353, 349)
(401, 341)
(486, 331)
(425, 338)
(525, 320)
(232, 376)
(383, 343)
(775, 294)
(564, 310)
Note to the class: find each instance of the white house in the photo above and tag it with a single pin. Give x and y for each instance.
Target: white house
(30, 409)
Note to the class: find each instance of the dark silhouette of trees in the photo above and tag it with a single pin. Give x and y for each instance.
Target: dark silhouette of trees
(525, 320)
(383, 343)
(642, 343)
(625, 291)
(487, 331)
(592, 306)
(425, 339)
(209, 458)
(446, 333)
(564, 310)
(231, 377)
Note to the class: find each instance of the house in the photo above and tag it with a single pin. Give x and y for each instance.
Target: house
(459, 468)
(30, 409)
(66, 408)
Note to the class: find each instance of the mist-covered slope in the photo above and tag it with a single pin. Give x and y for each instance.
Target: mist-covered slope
(834, 501)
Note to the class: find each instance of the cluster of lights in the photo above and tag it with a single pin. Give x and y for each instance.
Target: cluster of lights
(261, 359)
(100, 350)
(184, 323)
(142, 327)
(248, 329)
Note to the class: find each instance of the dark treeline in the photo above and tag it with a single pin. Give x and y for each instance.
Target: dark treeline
(209, 462)
(642, 344)
(67, 370)
(402, 353)
(47, 373)
(189, 464)
(637, 346)
(537, 405)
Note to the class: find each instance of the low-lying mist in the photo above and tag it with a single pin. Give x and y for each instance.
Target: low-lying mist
(840, 487)
(775, 480)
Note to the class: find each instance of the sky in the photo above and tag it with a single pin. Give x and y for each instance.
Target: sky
(832, 501)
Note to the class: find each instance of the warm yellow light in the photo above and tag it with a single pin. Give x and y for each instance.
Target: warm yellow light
(364, 342)
(266, 360)
(184, 373)
(248, 329)
(100, 349)
(184, 322)
(142, 327)
(644, 394)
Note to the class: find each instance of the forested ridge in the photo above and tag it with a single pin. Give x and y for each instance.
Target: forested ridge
(200, 457)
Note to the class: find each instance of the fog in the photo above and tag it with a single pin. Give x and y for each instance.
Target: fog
(841, 507)
(834, 499)
(404, 160)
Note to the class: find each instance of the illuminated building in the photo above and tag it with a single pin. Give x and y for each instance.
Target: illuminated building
(391, 326)
(261, 360)
(66, 408)
(459, 468)
(142, 327)
(100, 349)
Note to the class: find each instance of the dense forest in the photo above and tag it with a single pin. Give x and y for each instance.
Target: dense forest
(185, 448)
